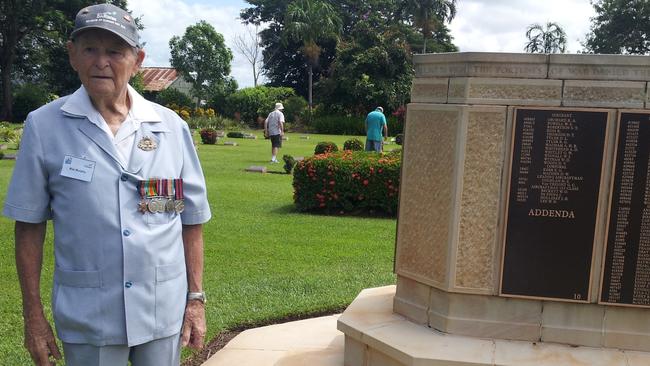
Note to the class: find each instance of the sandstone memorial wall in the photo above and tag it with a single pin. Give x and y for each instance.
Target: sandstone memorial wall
(524, 205)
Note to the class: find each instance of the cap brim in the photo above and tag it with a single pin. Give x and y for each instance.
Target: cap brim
(88, 27)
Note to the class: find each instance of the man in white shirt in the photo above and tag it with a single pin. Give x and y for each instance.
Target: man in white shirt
(274, 129)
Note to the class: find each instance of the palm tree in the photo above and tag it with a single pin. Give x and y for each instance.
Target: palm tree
(548, 39)
(429, 15)
(309, 21)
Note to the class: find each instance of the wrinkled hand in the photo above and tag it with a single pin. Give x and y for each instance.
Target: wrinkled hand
(40, 341)
(193, 330)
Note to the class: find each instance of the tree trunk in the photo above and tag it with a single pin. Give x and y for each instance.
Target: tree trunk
(311, 76)
(6, 113)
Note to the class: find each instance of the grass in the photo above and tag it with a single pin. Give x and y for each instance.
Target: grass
(263, 260)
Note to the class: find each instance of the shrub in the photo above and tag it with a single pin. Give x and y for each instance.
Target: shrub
(348, 182)
(294, 109)
(339, 125)
(208, 136)
(399, 139)
(176, 97)
(255, 102)
(28, 98)
(216, 122)
(353, 144)
(325, 147)
(289, 163)
(235, 135)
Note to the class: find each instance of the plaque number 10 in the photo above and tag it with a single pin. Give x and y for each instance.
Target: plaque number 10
(577, 296)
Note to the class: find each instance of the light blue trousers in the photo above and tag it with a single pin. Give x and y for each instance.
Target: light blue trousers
(161, 352)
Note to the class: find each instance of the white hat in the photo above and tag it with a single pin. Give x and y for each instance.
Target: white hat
(279, 106)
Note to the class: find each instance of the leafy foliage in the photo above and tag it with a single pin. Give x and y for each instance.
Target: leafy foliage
(549, 38)
(202, 57)
(289, 163)
(325, 147)
(295, 108)
(255, 102)
(429, 16)
(338, 125)
(390, 19)
(620, 27)
(30, 97)
(171, 96)
(347, 181)
(353, 144)
(32, 45)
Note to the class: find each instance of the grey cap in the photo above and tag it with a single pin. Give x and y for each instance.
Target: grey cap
(108, 17)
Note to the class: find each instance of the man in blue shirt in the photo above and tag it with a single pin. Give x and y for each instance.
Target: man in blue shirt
(376, 130)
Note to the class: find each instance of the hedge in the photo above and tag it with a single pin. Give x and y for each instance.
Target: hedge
(348, 181)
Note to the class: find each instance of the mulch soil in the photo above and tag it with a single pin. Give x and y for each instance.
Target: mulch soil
(221, 339)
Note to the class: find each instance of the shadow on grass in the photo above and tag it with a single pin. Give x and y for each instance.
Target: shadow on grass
(365, 214)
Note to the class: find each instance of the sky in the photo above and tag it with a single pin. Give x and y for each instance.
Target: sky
(479, 25)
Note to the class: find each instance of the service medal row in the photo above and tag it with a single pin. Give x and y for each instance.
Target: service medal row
(161, 205)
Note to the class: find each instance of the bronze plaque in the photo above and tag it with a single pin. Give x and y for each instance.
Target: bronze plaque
(626, 271)
(555, 175)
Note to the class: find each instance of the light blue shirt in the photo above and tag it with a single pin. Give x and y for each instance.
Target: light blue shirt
(375, 122)
(119, 274)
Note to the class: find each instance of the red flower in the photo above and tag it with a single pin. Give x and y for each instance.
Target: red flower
(365, 182)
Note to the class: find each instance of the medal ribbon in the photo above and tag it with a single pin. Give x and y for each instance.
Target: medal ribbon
(155, 187)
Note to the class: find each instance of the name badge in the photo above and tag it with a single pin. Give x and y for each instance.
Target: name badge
(78, 168)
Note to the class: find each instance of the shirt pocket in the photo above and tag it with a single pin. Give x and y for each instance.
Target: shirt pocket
(171, 292)
(159, 218)
(76, 300)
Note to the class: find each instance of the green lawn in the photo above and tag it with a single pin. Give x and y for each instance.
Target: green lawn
(263, 260)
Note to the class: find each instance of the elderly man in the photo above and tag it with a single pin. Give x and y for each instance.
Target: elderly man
(121, 181)
(376, 130)
(274, 129)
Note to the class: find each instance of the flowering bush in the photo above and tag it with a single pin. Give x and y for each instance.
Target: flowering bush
(348, 181)
(325, 147)
(353, 144)
(208, 136)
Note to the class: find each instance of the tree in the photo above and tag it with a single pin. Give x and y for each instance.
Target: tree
(32, 44)
(620, 27)
(550, 38)
(374, 67)
(430, 15)
(202, 58)
(249, 46)
(308, 22)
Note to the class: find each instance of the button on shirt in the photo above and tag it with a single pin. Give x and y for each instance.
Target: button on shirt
(119, 274)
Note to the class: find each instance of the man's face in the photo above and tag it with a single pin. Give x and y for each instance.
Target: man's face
(104, 62)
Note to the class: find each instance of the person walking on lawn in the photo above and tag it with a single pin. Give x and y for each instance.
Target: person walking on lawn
(274, 129)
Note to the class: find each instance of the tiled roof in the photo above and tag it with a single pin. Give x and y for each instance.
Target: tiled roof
(158, 78)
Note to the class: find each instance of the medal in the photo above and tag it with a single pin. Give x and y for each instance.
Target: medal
(142, 207)
(169, 205)
(156, 205)
(147, 144)
(179, 206)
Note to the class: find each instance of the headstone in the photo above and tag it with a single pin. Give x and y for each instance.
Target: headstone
(250, 137)
(230, 143)
(256, 169)
(3, 147)
(221, 134)
(9, 157)
(285, 138)
(304, 137)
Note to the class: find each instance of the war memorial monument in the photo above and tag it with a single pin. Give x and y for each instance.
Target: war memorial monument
(523, 234)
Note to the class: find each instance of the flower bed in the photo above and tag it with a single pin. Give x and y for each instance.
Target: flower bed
(348, 181)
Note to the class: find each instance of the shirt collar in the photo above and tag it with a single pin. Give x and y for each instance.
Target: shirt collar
(78, 104)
